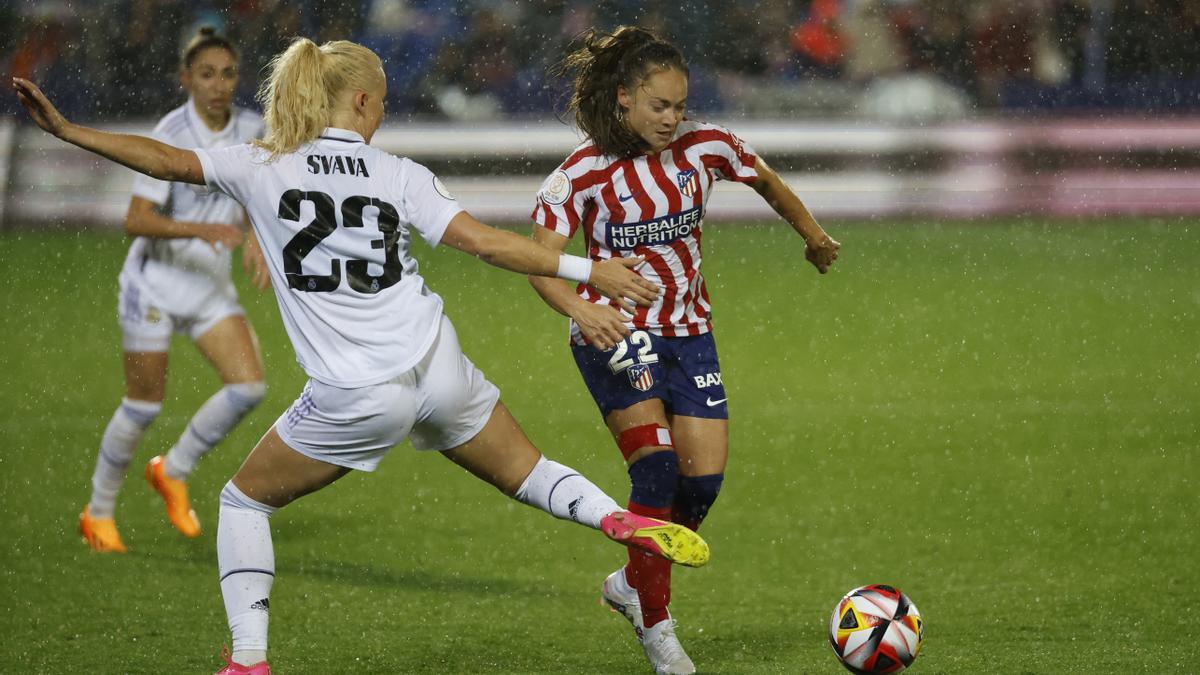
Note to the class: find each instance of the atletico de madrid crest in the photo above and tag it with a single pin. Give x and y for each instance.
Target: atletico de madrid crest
(640, 377)
(689, 182)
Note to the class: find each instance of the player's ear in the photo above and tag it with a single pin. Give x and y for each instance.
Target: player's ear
(623, 98)
(185, 79)
(360, 100)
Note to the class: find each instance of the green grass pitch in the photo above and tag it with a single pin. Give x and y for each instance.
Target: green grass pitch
(998, 417)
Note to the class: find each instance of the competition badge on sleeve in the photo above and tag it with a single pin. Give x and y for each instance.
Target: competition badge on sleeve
(689, 182)
(640, 377)
(441, 188)
(557, 188)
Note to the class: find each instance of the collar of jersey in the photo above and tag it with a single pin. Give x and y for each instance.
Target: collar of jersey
(203, 134)
(341, 135)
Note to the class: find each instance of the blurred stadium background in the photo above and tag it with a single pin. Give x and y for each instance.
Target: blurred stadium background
(990, 402)
(871, 108)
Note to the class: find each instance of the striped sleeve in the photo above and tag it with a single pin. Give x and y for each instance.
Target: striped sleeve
(730, 158)
(563, 198)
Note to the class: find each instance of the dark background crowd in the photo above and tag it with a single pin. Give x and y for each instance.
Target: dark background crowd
(487, 59)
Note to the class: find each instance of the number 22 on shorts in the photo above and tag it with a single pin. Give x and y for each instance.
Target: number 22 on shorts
(618, 363)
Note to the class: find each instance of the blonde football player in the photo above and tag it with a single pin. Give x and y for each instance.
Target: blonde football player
(335, 218)
(176, 279)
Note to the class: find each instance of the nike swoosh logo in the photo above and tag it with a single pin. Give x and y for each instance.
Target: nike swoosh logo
(711, 402)
(625, 198)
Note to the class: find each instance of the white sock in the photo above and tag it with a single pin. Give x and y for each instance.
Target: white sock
(246, 562)
(211, 423)
(564, 493)
(117, 448)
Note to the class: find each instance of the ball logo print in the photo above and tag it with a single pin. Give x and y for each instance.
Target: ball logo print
(876, 629)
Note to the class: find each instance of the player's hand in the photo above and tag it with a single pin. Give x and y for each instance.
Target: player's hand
(255, 263)
(821, 252)
(616, 279)
(602, 326)
(43, 112)
(219, 235)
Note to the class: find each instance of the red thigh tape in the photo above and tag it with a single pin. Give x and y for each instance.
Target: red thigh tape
(646, 436)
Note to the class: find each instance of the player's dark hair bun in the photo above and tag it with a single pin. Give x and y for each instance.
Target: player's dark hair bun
(206, 36)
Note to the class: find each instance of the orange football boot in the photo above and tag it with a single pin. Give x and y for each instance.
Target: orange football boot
(100, 533)
(174, 493)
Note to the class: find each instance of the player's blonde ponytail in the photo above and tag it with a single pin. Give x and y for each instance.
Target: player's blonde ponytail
(304, 84)
(602, 62)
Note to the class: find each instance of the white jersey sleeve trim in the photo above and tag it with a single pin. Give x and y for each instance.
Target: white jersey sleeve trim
(206, 164)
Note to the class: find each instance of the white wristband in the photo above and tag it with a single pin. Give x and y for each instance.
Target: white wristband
(574, 268)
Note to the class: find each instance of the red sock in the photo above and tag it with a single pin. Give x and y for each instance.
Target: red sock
(650, 574)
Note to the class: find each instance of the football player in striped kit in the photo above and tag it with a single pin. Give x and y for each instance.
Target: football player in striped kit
(176, 278)
(336, 218)
(637, 187)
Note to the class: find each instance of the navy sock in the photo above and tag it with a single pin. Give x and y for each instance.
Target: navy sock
(694, 497)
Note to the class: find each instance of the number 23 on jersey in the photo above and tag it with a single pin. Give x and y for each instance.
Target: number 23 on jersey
(324, 223)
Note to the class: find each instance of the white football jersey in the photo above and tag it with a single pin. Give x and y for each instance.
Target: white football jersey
(334, 220)
(180, 273)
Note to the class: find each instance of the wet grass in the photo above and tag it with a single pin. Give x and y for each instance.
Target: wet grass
(998, 417)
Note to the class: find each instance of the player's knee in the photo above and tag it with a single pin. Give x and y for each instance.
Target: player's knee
(246, 395)
(655, 479)
(140, 413)
(696, 495)
(233, 498)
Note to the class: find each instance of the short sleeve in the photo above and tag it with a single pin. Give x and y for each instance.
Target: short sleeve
(557, 207)
(734, 160)
(226, 169)
(428, 205)
(153, 189)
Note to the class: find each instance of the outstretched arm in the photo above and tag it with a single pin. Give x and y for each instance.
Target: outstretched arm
(821, 250)
(602, 325)
(513, 252)
(144, 155)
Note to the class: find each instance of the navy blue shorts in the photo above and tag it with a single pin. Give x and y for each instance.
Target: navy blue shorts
(682, 371)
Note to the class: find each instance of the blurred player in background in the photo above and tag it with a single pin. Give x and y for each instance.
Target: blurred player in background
(638, 187)
(335, 218)
(177, 279)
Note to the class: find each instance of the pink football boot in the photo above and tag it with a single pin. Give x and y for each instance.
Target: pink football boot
(669, 540)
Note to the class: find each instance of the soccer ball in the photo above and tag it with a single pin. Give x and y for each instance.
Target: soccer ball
(875, 629)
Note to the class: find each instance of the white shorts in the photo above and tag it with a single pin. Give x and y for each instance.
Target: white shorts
(441, 403)
(146, 327)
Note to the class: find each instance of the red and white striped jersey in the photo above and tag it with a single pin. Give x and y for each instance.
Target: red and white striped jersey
(652, 206)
